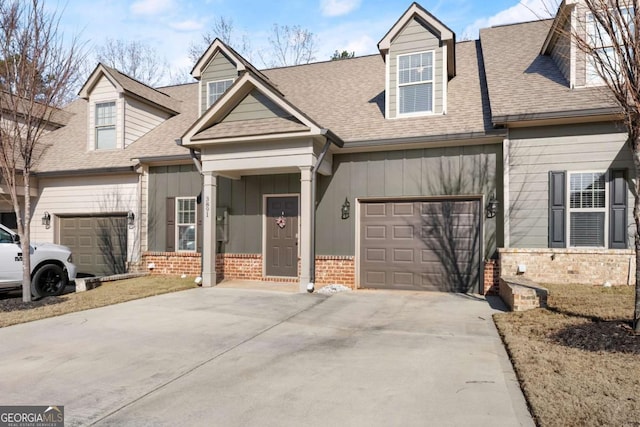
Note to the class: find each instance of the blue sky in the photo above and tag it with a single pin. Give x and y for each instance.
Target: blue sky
(354, 25)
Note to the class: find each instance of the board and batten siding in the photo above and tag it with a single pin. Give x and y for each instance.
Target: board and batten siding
(415, 38)
(140, 118)
(255, 106)
(87, 195)
(466, 170)
(104, 91)
(533, 152)
(219, 68)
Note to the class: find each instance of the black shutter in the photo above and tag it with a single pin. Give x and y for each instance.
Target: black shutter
(171, 225)
(618, 209)
(557, 208)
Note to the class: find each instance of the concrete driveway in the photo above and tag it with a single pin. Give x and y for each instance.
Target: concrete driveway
(233, 357)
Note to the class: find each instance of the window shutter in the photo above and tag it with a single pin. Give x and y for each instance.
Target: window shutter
(557, 208)
(171, 225)
(618, 210)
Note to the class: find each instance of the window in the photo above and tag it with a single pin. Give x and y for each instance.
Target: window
(186, 224)
(105, 125)
(415, 83)
(216, 89)
(8, 219)
(601, 41)
(587, 209)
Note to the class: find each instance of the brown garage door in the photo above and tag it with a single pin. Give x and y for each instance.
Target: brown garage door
(98, 243)
(420, 245)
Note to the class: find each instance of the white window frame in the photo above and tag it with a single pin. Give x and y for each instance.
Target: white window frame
(178, 224)
(592, 78)
(432, 82)
(209, 84)
(604, 209)
(113, 125)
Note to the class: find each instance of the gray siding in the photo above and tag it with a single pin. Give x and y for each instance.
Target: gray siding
(561, 51)
(535, 152)
(168, 181)
(468, 170)
(255, 106)
(243, 199)
(220, 68)
(415, 38)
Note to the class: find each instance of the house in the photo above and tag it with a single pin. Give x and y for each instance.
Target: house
(431, 165)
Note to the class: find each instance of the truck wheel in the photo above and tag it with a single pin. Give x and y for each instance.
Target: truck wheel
(49, 280)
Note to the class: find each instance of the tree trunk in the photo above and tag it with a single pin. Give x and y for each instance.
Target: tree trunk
(25, 241)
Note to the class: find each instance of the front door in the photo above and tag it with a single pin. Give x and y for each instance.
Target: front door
(281, 249)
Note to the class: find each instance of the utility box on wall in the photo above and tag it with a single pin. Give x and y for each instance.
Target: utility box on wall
(222, 224)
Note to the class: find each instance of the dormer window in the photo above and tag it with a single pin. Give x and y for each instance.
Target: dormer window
(215, 90)
(105, 125)
(415, 83)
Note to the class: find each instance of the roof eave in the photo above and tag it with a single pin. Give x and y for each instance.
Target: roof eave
(569, 116)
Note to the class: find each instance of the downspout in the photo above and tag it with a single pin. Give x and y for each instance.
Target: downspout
(314, 176)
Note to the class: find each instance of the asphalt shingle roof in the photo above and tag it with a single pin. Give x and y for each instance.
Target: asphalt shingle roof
(252, 128)
(522, 83)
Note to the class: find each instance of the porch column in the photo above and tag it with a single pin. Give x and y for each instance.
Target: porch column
(306, 233)
(209, 195)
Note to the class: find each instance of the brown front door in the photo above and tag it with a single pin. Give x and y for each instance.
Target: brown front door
(281, 255)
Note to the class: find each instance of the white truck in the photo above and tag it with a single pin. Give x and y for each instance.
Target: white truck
(51, 265)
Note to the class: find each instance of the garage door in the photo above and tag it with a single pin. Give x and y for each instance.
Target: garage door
(420, 245)
(98, 243)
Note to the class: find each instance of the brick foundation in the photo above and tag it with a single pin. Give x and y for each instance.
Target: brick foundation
(491, 277)
(586, 266)
(329, 269)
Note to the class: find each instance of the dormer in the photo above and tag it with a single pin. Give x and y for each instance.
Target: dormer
(122, 109)
(419, 52)
(574, 22)
(216, 70)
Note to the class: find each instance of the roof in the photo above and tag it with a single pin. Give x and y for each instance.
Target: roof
(130, 86)
(525, 85)
(348, 97)
(252, 128)
(68, 145)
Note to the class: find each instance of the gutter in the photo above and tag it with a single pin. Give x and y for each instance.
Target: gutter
(330, 138)
(93, 171)
(193, 155)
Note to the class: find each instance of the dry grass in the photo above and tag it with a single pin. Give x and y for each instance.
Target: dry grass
(577, 361)
(14, 311)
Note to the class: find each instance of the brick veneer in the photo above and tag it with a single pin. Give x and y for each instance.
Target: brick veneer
(491, 277)
(588, 266)
(329, 269)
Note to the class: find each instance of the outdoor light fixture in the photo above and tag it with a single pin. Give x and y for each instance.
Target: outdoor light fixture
(46, 220)
(131, 218)
(346, 209)
(492, 206)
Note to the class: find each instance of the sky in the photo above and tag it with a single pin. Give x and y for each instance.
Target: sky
(171, 26)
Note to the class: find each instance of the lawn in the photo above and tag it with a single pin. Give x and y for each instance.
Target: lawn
(578, 361)
(14, 311)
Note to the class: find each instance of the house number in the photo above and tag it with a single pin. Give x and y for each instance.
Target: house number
(206, 206)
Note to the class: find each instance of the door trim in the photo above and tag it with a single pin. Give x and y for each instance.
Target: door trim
(264, 230)
(470, 197)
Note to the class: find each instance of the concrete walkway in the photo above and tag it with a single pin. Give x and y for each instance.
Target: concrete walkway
(235, 357)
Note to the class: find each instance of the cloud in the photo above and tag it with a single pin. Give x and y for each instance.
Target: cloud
(525, 10)
(151, 7)
(188, 25)
(338, 7)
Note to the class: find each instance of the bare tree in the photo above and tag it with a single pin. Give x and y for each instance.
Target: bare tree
(223, 29)
(608, 32)
(135, 59)
(37, 68)
(289, 45)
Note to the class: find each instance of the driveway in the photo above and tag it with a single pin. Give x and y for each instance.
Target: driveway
(234, 357)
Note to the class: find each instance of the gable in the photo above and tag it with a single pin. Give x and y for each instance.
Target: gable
(416, 37)
(219, 68)
(255, 106)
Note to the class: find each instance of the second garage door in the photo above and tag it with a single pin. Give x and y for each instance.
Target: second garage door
(421, 244)
(98, 243)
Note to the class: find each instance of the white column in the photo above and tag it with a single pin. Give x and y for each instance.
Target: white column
(305, 239)
(209, 195)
